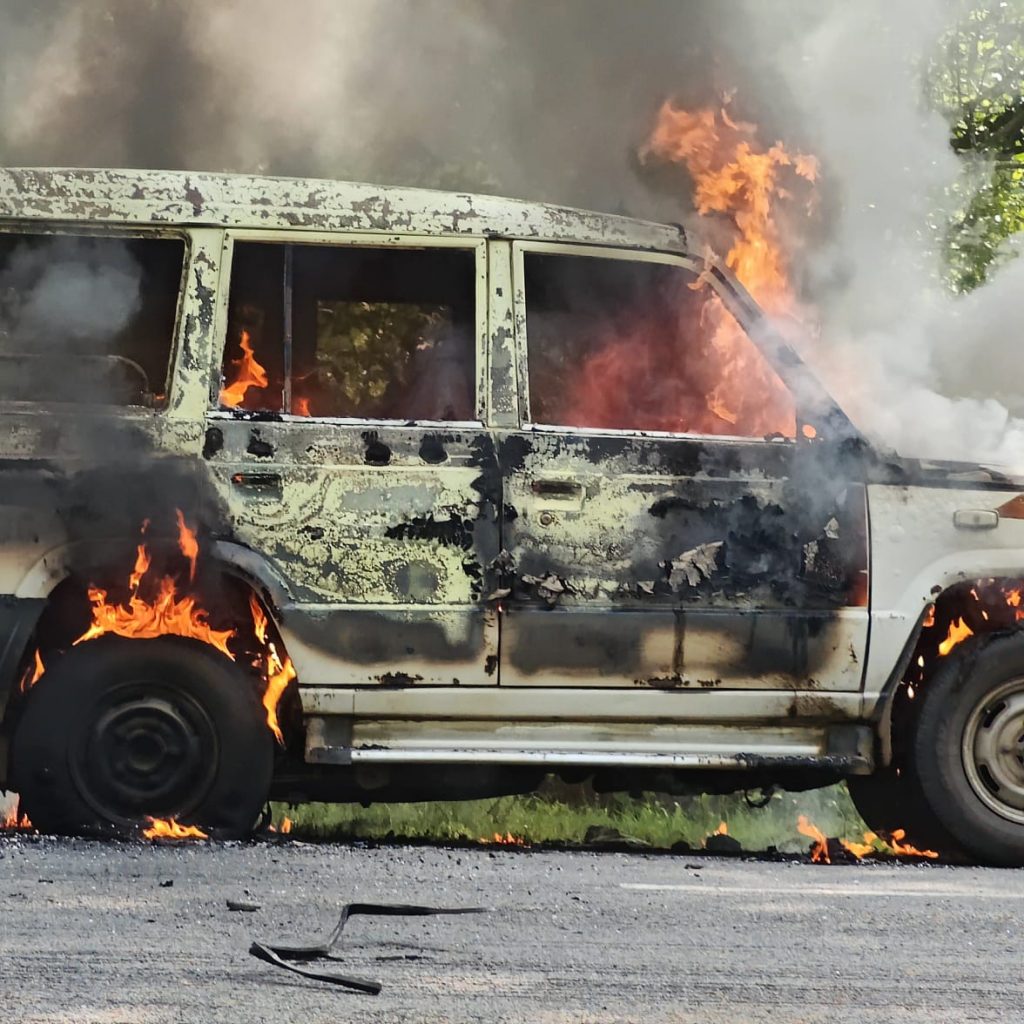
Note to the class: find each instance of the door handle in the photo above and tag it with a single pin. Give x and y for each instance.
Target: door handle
(566, 490)
(259, 485)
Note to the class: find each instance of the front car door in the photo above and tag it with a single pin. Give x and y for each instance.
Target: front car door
(665, 524)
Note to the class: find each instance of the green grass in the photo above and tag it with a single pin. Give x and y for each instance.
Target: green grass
(565, 814)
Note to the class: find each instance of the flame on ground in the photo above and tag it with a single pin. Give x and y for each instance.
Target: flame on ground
(504, 840)
(14, 818)
(722, 830)
(819, 850)
(891, 844)
(250, 374)
(168, 828)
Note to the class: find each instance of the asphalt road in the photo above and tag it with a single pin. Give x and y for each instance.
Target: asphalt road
(88, 933)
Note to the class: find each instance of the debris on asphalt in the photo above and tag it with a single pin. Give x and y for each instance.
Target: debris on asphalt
(289, 957)
(244, 906)
(167, 883)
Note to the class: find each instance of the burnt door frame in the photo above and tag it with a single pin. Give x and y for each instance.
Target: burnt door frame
(393, 505)
(653, 498)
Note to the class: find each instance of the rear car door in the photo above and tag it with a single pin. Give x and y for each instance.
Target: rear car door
(663, 527)
(346, 436)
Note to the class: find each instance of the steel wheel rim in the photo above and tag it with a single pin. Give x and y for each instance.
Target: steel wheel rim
(146, 749)
(993, 750)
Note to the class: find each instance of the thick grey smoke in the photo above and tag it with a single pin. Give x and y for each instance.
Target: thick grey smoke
(927, 372)
(551, 101)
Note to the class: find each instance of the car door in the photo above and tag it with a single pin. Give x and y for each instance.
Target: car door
(663, 527)
(346, 437)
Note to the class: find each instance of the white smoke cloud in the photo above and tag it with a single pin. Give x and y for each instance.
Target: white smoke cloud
(927, 372)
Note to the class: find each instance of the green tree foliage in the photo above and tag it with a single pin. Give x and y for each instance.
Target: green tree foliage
(976, 79)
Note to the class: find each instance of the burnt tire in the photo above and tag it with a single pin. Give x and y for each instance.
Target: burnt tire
(120, 730)
(968, 747)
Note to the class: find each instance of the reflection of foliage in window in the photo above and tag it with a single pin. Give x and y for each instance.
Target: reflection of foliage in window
(364, 350)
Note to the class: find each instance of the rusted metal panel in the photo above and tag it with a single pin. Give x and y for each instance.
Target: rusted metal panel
(178, 197)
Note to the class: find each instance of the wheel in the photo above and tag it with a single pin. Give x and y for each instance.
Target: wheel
(968, 747)
(120, 730)
(889, 801)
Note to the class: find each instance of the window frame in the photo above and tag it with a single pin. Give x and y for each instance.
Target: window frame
(88, 230)
(355, 240)
(691, 263)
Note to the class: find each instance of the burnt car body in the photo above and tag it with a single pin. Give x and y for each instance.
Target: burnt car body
(477, 579)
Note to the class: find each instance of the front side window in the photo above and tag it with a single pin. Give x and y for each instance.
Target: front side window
(87, 319)
(636, 345)
(351, 332)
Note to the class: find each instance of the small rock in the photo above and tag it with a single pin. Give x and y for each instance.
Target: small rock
(722, 844)
(167, 883)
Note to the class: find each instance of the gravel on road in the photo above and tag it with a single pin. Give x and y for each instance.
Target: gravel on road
(108, 932)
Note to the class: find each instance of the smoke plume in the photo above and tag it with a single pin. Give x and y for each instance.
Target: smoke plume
(552, 101)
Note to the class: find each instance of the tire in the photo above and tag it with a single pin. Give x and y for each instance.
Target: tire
(968, 747)
(120, 730)
(888, 801)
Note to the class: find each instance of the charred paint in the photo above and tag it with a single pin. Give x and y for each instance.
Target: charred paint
(258, 447)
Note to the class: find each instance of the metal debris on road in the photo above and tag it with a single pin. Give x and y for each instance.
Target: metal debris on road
(245, 906)
(289, 957)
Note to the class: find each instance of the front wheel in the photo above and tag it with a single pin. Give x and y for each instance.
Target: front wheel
(122, 730)
(968, 747)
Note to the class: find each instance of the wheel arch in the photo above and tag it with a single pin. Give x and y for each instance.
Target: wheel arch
(980, 604)
(24, 613)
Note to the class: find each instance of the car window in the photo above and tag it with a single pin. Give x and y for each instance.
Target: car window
(372, 333)
(637, 345)
(87, 319)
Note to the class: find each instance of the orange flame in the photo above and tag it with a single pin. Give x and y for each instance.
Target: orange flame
(958, 632)
(168, 828)
(33, 672)
(722, 830)
(300, 407)
(14, 818)
(250, 375)
(819, 851)
(504, 840)
(738, 179)
(861, 850)
(188, 545)
(278, 673)
(902, 849)
(286, 826)
(168, 614)
(142, 620)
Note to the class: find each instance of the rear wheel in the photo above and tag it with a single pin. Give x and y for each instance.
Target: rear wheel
(968, 747)
(121, 730)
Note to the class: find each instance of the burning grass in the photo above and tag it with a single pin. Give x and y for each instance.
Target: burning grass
(567, 814)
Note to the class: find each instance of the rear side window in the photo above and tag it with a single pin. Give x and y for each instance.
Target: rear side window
(351, 332)
(87, 319)
(636, 345)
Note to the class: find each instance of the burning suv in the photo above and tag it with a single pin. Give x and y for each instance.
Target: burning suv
(326, 491)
